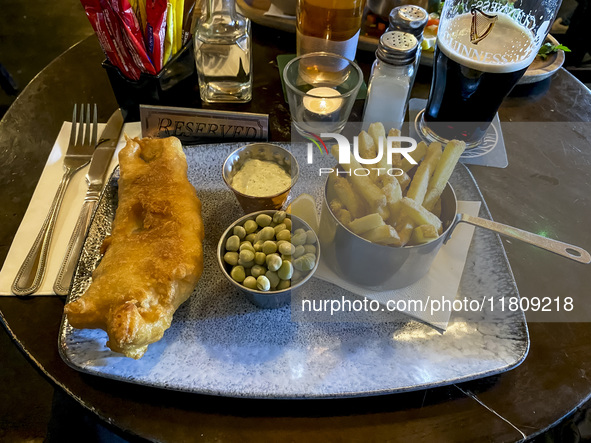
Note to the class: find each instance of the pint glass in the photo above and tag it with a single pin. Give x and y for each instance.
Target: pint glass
(483, 48)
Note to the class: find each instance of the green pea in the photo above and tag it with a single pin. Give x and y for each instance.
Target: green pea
(287, 223)
(263, 220)
(250, 237)
(310, 249)
(299, 231)
(246, 255)
(279, 216)
(273, 262)
(279, 228)
(240, 232)
(280, 242)
(305, 263)
(250, 282)
(233, 243)
(273, 278)
(238, 274)
(267, 233)
(299, 251)
(250, 226)
(286, 248)
(246, 264)
(285, 271)
(310, 237)
(263, 283)
(299, 238)
(246, 245)
(297, 275)
(283, 284)
(286, 257)
(269, 247)
(283, 235)
(231, 258)
(257, 270)
(258, 246)
(260, 258)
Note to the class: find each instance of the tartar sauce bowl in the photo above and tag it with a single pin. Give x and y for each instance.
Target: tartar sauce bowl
(265, 299)
(266, 152)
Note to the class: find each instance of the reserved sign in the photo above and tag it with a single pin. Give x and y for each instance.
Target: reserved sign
(202, 126)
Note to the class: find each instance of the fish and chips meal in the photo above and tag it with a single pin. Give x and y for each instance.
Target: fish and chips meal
(401, 210)
(154, 256)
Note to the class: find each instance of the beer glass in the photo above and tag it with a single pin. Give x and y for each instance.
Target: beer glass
(328, 26)
(483, 49)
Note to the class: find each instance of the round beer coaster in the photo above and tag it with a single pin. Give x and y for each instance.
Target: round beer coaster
(490, 152)
(488, 143)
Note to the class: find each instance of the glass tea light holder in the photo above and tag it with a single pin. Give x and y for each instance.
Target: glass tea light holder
(321, 89)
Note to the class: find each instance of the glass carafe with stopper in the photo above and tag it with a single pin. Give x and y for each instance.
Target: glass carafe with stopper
(223, 54)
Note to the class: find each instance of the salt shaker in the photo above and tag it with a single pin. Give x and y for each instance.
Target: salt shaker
(391, 79)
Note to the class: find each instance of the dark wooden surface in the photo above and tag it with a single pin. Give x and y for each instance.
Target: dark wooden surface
(545, 188)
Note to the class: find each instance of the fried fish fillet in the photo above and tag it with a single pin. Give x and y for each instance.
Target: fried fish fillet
(154, 256)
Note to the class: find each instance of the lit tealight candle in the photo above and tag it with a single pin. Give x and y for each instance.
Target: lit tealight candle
(322, 102)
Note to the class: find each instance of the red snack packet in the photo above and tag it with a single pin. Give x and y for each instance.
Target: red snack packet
(100, 23)
(127, 15)
(155, 30)
(129, 32)
(114, 29)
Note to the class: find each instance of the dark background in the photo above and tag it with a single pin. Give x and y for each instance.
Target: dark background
(32, 34)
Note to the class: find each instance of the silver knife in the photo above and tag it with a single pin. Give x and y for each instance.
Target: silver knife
(96, 177)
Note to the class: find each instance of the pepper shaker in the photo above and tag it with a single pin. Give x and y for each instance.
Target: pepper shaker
(411, 19)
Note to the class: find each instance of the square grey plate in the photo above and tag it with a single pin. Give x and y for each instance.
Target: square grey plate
(220, 344)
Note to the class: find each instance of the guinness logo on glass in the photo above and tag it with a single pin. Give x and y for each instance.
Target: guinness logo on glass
(482, 25)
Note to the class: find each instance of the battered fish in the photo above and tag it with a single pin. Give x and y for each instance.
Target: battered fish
(154, 256)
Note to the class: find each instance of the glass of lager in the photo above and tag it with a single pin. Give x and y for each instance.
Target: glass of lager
(483, 48)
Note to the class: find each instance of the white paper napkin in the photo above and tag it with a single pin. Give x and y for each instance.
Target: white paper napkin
(39, 206)
(441, 282)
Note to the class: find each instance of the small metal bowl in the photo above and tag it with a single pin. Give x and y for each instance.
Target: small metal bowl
(374, 266)
(267, 299)
(260, 151)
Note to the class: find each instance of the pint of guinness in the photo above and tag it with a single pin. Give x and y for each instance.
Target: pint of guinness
(479, 57)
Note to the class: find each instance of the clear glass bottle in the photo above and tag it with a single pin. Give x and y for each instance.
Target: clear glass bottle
(223, 54)
(391, 79)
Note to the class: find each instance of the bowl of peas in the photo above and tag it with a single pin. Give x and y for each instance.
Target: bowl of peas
(267, 254)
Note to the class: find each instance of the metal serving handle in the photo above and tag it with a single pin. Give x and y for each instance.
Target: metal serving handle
(563, 249)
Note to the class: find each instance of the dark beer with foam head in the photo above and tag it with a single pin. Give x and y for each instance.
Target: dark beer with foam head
(479, 57)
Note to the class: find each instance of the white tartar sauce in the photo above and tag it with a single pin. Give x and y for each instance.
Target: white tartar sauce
(261, 178)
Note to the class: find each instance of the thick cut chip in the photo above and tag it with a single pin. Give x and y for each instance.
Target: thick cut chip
(451, 154)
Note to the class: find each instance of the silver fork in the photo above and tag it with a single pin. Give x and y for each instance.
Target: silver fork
(80, 149)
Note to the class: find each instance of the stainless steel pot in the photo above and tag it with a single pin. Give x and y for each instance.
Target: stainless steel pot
(380, 267)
